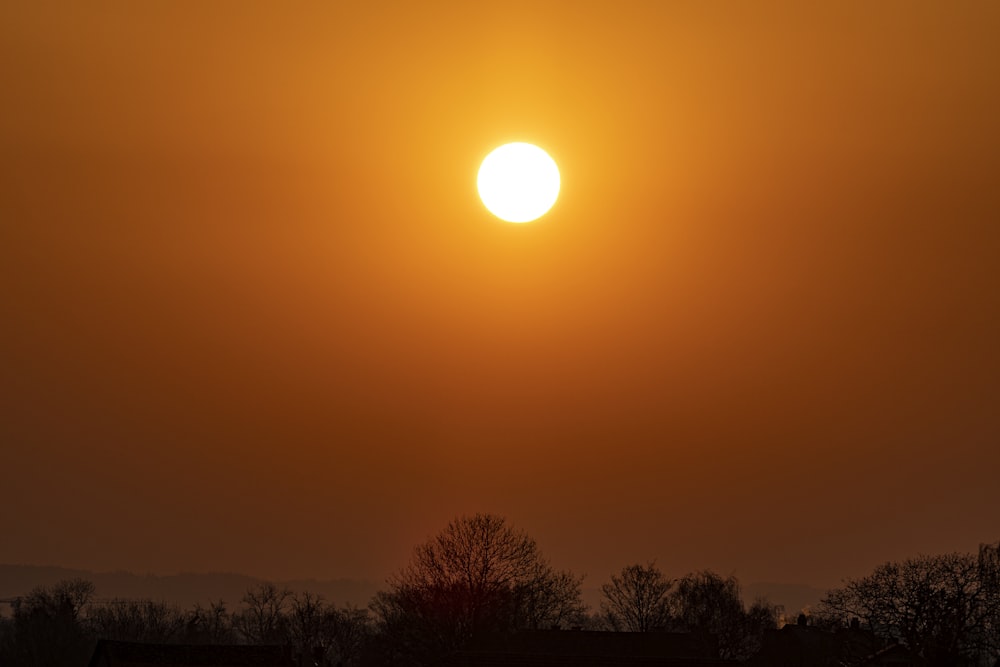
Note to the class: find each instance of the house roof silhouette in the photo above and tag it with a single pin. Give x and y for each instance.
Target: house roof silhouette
(135, 654)
(588, 643)
(807, 646)
(496, 659)
(575, 648)
(895, 655)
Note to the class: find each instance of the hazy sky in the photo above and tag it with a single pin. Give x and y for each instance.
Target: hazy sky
(255, 318)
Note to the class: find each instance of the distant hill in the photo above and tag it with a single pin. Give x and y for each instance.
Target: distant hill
(184, 590)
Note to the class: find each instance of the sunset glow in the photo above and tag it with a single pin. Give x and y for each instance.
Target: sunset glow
(262, 311)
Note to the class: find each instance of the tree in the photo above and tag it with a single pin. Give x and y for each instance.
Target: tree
(322, 634)
(989, 576)
(709, 605)
(551, 600)
(939, 606)
(478, 576)
(262, 619)
(310, 625)
(47, 629)
(213, 625)
(637, 599)
(69, 595)
(136, 620)
(352, 629)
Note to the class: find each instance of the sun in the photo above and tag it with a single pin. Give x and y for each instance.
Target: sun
(518, 182)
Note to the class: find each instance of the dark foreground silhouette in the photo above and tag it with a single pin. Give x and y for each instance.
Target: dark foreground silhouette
(480, 594)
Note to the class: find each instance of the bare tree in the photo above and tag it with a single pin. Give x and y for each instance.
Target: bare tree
(637, 599)
(989, 575)
(136, 620)
(324, 635)
(213, 625)
(262, 619)
(309, 623)
(710, 605)
(352, 630)
(478, 575)
(46, 629)
(939, 606)
(69, 596)
(550, 599)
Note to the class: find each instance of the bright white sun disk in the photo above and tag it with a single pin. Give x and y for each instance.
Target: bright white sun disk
(518, 182)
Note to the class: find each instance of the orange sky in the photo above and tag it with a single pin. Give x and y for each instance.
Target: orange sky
(254, 317)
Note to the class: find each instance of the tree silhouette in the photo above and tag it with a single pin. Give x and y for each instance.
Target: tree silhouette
(46, 630)
(262, 619)
(711, 605)
(322, 634)
(989, 575)
(136, 620)
(478, 576)
(637, 599)
(942, 607)
(212, 625)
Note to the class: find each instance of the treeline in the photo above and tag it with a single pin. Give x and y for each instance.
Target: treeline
(59, 626)
(944, 608)
(480, 577)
